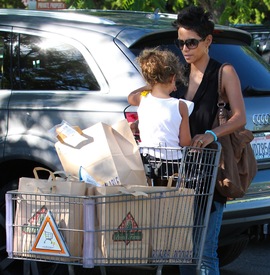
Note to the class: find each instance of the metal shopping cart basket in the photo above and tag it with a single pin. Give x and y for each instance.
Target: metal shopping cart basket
(121, 226)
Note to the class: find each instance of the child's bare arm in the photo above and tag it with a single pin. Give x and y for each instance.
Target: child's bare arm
(184, 129)
(134, 98)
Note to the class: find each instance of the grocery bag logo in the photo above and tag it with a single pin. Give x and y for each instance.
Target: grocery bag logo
(128, 231)
(35, 221)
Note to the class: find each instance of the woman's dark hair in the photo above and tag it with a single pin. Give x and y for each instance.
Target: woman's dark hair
(196, 19)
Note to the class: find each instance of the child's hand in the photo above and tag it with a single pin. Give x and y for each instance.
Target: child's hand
(134, 126)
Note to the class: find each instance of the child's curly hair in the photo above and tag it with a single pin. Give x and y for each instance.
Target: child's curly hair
(159, 66)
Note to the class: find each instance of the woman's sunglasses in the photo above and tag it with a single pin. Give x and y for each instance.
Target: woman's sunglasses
(190, 43)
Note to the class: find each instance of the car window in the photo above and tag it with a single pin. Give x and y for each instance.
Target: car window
(5, 60)
(48, 64)
(1, 59)
(253, 71)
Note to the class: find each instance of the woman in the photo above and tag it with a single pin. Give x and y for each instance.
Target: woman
(195, 29)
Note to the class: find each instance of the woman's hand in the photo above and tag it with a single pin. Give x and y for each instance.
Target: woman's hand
(202, 140)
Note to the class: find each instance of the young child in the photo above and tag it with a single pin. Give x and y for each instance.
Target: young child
(163, 120)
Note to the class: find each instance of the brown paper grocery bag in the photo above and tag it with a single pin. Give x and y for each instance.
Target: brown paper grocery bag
(172, 222)
(123, 226)
(36, 198)
(172, 241)
(108, 153)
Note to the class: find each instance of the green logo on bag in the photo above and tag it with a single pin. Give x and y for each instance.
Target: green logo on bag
(35, 221)
(128, 231)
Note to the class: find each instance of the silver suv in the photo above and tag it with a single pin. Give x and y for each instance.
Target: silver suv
(80, 67)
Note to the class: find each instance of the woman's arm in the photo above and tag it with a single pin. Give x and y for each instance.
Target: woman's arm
(232, 93)
(231, 89)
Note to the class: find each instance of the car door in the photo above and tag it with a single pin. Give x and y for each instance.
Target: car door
(58, 78)
(49, 78)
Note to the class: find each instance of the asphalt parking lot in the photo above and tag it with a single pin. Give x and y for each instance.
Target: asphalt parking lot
(254, 260)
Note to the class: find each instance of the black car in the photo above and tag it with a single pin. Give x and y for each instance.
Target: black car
(79, 66)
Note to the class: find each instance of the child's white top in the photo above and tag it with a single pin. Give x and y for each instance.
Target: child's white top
(159, 121)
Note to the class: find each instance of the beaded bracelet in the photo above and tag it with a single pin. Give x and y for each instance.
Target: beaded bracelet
(212, 133)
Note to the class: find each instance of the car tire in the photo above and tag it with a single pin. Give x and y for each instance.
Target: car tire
(230, 252)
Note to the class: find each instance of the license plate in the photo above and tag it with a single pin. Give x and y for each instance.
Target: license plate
(261, 146)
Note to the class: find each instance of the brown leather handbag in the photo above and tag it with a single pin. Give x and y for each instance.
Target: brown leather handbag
(238, 165)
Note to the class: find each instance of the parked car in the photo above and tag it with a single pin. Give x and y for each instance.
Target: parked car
(79, 66)
(260, 38)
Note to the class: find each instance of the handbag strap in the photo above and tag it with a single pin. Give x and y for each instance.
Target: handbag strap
(222, 118)
(220, 100)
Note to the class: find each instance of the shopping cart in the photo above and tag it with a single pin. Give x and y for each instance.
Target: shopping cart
(48, 236)
(122, 226)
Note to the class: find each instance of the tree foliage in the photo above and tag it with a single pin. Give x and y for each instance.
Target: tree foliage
(251, 11)
(224, 11)
(11, 4)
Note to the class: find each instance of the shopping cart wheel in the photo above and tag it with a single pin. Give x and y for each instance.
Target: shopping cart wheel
(159, 270)
(30, 267)
(71, 270)
(103, 270)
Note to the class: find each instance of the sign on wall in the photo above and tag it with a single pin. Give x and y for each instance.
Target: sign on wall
(44, 4)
